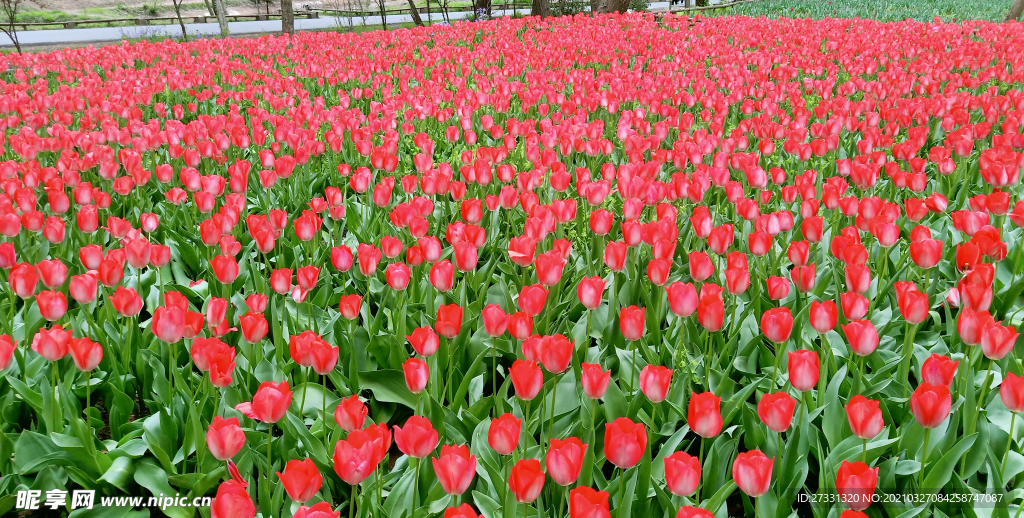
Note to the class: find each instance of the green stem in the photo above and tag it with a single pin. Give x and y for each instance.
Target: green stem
(1009, 444)
(352, 503)
(323, 408)
(270, 436)
(551, 421)
(908, 354)
(864, 451)
(88, 396)
(622, 491)
(700, 458)
(924, 456)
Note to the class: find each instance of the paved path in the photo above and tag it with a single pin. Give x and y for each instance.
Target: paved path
(98, 34)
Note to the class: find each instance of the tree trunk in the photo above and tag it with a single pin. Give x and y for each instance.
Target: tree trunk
(615, 6)
(287, 17)
(383, 14)
(209, 8)
(1015, 11)
(483, 4)
(177, 11)
(540, 8)
(222, 18)
(415, 13)
(429, 21)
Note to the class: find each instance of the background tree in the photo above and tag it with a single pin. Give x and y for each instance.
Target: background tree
(415, 13)
(1015, 10)
(287, 17)
(541, 8)
(222, 19)
(177, 12)
(10, 17)
(383, 15)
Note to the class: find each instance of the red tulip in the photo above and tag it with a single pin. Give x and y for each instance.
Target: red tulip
(350, 413)
(997, 340)
(254, 327)
(417, 375)
(776, 411)
(682, 298)
(865, 417)
(52, 272)
(52, 343)
(83, 288)
(804, 369)
(168, 324)
(930, 404)
(455, 468)
(269, 404)
(495, 320)
(1011, 390)
(521, 250)
(532, 298)
(369, 257)
(862, 336)
(737, 280)
(7, 347)
(701, 267)
(803, 277)
(688, 511)
(224, 438)
(527, 379)
(318, 510)
(306, 277)
(356, 457)
(341, 258)
(564, 460)
(590, 291)
(926, 253)
(711, 311)
(350, 305)
(913, 306)
(85, 353)
(631, 323)
(281, 280)
(585, 502)
(856, 483)
(778, 287)
(850, 513)
(970, 325)
(655, 381)
(520, 325)
(549, 267)
(449, 320)
(658, 271)
(615, 255)
(555, 353)
(462, 511)
(624, 442)
(938, 370)
(442, 275)
(397, 275)
(417, 438)
(503, 433)
(23, 279)
(855, 306)
(777, 324)
(301, 479)
(752, 472)
(424, 341)
(232, 501)
(225, 268)
(526, 480)
(858, 278)
(682, 473)
(823, 316)
(594, 380)
(704, 414)
(52, 305)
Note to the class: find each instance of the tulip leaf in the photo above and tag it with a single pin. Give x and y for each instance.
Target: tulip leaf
(388, 386)
(938, 472)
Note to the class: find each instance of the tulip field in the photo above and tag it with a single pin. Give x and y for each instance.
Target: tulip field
(627, 266)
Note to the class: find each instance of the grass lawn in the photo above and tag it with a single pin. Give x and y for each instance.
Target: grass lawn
(884, 10)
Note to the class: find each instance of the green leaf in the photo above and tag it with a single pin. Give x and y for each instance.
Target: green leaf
(388, 386)
(938, 473)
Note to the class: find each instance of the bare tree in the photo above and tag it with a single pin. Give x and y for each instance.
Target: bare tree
(287, 17)
(177, 12)
(1015, 10)
(222, 19)
(383, 15)
(541, 8)
(615, 6)
(10, 17)
(415, 13)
